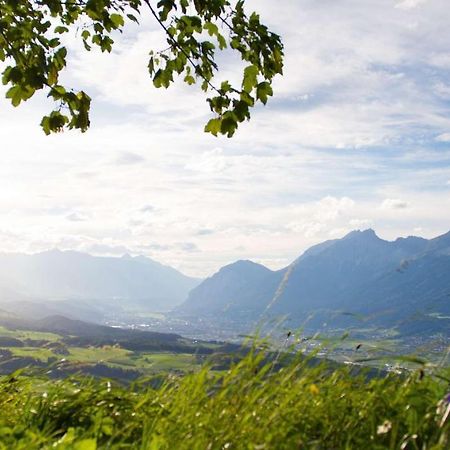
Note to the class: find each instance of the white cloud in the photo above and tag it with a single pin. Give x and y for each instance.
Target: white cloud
(440, 59)
(444, 137)
(359, 223)
(126, 158)
(107, 250)
(76, 217)
(410, 4)
(210, 162)
(394, 203)
(312, 219)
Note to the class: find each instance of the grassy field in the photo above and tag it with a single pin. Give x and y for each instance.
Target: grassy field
(25, 334)
(41, 354)
(147, 363)
(97, 354)
(252, 405)
(28, 348)
(166, 362)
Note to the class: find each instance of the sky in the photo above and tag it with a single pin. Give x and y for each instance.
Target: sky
(357, 136)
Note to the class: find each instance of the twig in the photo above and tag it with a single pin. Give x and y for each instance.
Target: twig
(197, 68)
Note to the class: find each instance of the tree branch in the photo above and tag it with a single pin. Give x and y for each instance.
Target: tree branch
(197, 68)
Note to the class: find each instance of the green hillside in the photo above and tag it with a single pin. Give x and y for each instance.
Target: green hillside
(62, 347)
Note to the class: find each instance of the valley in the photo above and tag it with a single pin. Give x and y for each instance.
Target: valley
(388, 298)
(59, 347)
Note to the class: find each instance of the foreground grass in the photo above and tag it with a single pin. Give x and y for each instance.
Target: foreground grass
(250, 406)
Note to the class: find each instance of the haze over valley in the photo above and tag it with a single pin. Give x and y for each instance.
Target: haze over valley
(356, 282)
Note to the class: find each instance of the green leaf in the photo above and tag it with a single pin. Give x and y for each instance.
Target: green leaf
(14, 94)
(61, 30)
(229, 124)
(213, 126)
(211, 28)
(241, 111)
(12, 74)
(162, 78)
(55, 122)
(151, 66)
(247, 98)
(52, 75)
(263, 91)
(60, 58)
(58, 92)
(250, 79)
(225, 87)
(133, 18)
(117, 20)
(53, 43)
(18, 93)
(189, 79)
(222, 41)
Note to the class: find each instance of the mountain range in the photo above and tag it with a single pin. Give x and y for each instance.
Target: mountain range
(83, 282)
(403, 283)
(361, 276)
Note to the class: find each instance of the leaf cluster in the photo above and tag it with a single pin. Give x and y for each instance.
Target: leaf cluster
(33, 51)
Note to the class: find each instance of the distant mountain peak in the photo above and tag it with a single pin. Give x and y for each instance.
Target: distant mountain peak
(245, 264)
(369, 233)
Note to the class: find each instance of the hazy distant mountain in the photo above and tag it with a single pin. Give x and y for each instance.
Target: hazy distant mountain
(57, 276)
(360, 273)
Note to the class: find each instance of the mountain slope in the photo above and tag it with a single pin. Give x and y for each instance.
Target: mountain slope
(240, 288)
(417, 291)
(330, 276)
(386, 281)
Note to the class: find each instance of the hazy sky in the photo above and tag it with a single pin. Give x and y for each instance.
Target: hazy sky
(357, 136)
